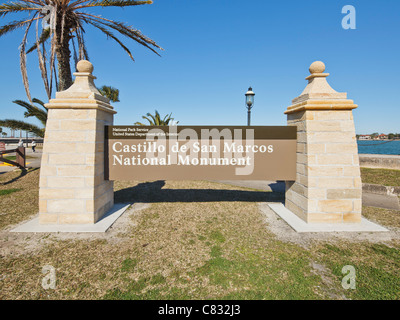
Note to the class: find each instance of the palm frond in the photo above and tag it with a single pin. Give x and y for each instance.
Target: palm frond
(33, 111)
(167, 116)
(22, 125)
(42, 63)
(13, 25)
(156, 119)
(74, 54)
(110, 92)
(109, 34)
(18, 6)
(81, 45)
(151, 123)
(40, 102)
(44, 36)
(125, 30)
(153, 117)
(113, 3)
(134, 35)
(138, 124)
(22, 55)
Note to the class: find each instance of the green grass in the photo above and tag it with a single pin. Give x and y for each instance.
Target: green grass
(19, 196)
(14, 158)
(249, 277)
(11, 158)
(217, 236)
(377, 269)
(8, 191)
(386, 177)
(280, 271)
(128, 265)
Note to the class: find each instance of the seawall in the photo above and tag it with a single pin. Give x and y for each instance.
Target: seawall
(382, 161)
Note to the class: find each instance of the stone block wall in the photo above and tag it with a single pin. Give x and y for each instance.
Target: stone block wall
(72, 185)
(328, 185)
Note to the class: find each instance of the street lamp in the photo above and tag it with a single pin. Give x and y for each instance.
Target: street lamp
(249, 103)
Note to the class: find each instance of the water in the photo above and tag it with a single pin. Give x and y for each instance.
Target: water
(378, 147)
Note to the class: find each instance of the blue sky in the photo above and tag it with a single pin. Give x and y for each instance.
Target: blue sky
(216, 49)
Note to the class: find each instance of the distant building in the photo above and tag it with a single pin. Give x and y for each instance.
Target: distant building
(383, 137)
(364, 137)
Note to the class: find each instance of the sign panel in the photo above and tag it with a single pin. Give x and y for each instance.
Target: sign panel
(200, 153)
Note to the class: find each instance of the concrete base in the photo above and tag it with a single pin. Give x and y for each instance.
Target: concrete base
(100, 226)
(301, 226)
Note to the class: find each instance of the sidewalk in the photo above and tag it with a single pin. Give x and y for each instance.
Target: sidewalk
(34, 158)
(376, 195)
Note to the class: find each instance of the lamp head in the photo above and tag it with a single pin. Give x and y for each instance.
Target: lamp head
(250, 97)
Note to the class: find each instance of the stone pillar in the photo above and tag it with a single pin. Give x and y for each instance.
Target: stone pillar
(328, 185)
(72, 185)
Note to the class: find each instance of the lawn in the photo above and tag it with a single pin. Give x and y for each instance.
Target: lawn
(19, 193)
(386, 177)
(178, 242)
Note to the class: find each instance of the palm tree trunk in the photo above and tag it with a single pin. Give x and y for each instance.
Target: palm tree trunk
(63, 59)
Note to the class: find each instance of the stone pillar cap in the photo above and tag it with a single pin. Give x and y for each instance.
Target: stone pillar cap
(83, 93)
(317, 69)
(84, 66)
(319, 95)
(318, 88)
(83, 86)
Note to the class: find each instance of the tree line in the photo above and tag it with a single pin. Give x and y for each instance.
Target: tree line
(391, 136)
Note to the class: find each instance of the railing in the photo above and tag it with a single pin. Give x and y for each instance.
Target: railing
(20, 157)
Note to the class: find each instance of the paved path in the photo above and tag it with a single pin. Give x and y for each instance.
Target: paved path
(33, 160)
(381, 201)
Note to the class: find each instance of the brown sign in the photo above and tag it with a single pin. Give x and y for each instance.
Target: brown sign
(200, 153)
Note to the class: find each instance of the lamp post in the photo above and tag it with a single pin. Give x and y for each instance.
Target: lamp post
(249, 103)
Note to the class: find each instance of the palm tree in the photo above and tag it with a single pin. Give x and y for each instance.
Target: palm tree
(110, 92)
(62, 24)
(39, 113)
(156, 120)
(4, 134)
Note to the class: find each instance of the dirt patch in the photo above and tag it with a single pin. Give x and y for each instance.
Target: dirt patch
(329, 281)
